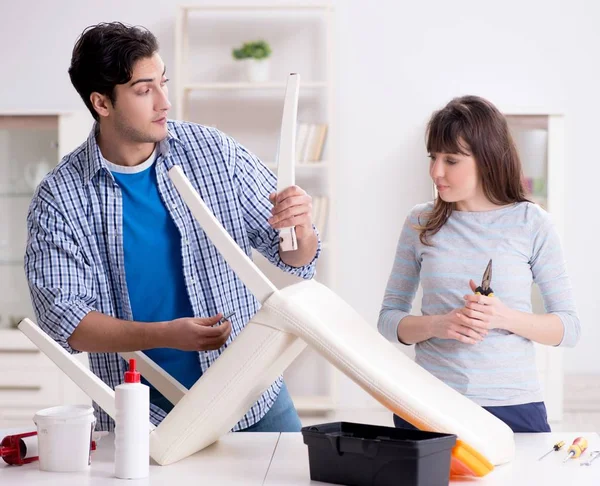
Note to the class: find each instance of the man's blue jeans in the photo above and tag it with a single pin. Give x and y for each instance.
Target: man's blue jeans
(282, 417)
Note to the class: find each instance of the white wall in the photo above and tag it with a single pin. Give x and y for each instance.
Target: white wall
(396, 62)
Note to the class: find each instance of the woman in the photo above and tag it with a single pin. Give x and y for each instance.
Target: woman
(480, 346)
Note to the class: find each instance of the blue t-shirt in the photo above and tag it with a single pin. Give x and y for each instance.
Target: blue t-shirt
(153, 268)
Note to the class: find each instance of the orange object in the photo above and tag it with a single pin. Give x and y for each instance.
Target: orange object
(466, 461)
(577, 448)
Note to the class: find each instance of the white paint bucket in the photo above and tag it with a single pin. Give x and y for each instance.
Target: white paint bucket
(64, 437)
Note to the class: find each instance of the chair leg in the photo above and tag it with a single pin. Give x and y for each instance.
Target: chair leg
(168, 386)
(242, 265)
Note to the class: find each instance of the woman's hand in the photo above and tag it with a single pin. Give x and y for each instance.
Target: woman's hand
(489, 310)
(455, 325)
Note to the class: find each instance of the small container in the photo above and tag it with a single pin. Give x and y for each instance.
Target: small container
(65, 437)
(369, 455)
(132, 432)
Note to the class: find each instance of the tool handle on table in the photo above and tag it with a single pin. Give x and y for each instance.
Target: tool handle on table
(578, 447)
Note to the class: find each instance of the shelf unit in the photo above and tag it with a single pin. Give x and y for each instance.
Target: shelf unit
(187, 88)
(28, 381)
(546, 143)
(266, 99)
(303, 167)
(29, 142)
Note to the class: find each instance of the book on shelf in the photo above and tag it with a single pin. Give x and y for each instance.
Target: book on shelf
(319, 214)
(310, 141)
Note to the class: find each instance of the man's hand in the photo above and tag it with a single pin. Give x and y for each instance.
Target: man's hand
(197, 333)
(292, 207)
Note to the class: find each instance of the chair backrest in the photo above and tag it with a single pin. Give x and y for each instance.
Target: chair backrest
(243, 266)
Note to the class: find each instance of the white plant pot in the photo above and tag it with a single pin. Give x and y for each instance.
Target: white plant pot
(257, 70)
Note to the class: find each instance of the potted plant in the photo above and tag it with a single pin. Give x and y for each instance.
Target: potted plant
(256, 56)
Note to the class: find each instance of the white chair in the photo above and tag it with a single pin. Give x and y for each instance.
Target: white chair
(289, 319)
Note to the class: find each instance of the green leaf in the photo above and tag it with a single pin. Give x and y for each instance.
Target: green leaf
(252, 50)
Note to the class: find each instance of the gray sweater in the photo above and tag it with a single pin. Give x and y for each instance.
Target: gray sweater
(525, 248)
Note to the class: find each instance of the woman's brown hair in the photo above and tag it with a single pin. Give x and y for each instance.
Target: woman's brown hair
(483, 129)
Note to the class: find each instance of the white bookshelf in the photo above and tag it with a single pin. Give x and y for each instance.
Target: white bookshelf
(305, 166)
(31, 143)
(247, 86)
(28, 380)
(312, 381)
(552, 198)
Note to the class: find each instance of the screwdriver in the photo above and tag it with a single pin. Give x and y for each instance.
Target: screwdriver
(556, 447)
(577, 448)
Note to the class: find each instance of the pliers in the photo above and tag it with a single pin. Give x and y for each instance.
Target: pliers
(484, 288)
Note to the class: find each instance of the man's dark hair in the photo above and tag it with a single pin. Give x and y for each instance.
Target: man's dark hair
(104, 56)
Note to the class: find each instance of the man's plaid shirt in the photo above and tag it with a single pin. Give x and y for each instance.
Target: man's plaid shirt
(74, 258)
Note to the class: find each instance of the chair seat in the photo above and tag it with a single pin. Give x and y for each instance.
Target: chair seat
(309, 312)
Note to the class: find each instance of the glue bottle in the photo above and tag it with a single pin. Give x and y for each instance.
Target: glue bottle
(132, 434)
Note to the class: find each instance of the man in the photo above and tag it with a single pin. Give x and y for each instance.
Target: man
(116, 262)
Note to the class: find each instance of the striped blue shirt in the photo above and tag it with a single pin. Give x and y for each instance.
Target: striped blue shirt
(525, 248)
(74, 260)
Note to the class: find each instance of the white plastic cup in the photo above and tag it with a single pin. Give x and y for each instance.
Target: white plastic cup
(65, 437)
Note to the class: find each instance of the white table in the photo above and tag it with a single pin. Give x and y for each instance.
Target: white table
(274, 459)
(236, 459)
(290, 464)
